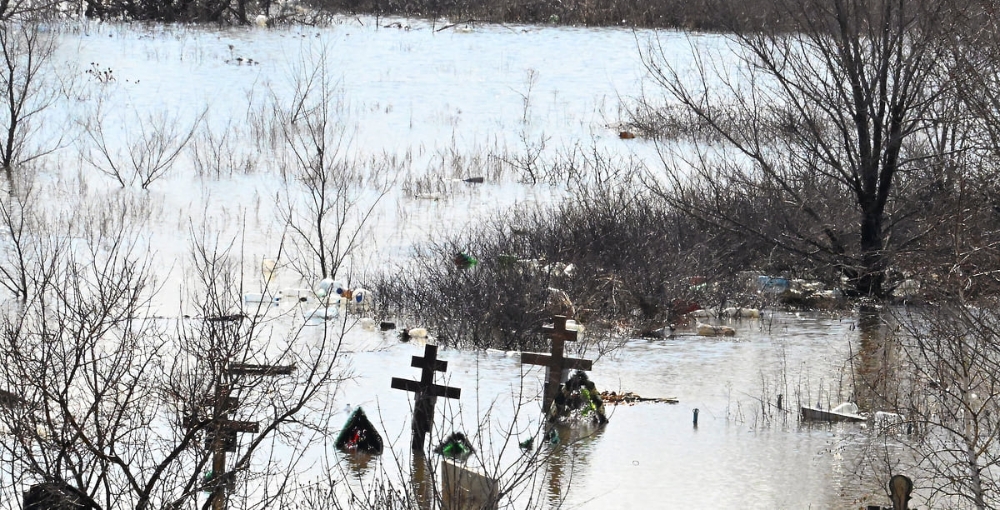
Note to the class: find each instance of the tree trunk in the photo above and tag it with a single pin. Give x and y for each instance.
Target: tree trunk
(872, 274)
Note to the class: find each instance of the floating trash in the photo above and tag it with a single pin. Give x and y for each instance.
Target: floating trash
(464, 261)
(552, 436)
(627, 397)
(527, 444)
(578, 402)
(298, 295)
(456, 446)
(358, 296)
(773, 284)
(710, 330)
(406, 334)
(329, 286)
(320, 314)
(253, 297)
(268, 268)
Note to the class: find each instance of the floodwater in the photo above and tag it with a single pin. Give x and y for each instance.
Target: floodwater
(740, 455)
(433, 100)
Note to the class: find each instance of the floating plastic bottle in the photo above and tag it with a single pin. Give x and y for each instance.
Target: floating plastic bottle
(299, 295)
(268, 268)
(253, 297)
(360, 296)
(329, 286)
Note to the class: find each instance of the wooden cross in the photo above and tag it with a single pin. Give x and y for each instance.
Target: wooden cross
(220, 431)
(426, 393)
(556, 363)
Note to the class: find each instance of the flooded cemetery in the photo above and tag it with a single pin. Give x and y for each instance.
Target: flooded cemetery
(228, 272)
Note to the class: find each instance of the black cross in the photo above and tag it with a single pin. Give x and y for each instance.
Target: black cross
(556, 363)
(426, 393)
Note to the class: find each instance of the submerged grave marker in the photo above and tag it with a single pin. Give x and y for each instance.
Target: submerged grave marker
(426, 393)
(464, 488)
(900, 487)
(220, 431)
(556, 363)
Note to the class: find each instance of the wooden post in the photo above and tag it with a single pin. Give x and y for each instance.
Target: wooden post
(556, 363)
(900, 488)
(426, 393)
(220, 412)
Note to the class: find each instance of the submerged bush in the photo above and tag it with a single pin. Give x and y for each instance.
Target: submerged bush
(627, 262)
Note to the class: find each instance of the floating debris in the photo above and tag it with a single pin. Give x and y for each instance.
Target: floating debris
(847, 411)
(552, 436)
(464, 261)
(527, 444)
(456, 446)
(406, 335)
(628, 397)
(579, 402)
(710, 330)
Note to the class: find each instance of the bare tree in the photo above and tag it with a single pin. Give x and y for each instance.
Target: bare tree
(814, 122)
(28, 91)
(933, 381)
(330, 198)
(26, 254)
(128, 409)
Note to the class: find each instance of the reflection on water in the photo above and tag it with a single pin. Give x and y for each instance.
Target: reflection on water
(422, 481)
(877, 358)
(358, 463)
(561, 463)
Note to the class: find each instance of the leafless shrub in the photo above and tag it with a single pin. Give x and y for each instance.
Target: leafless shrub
(218, 155)
(113, 398)
(709, 15)
(627, 263)
(151, 146)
